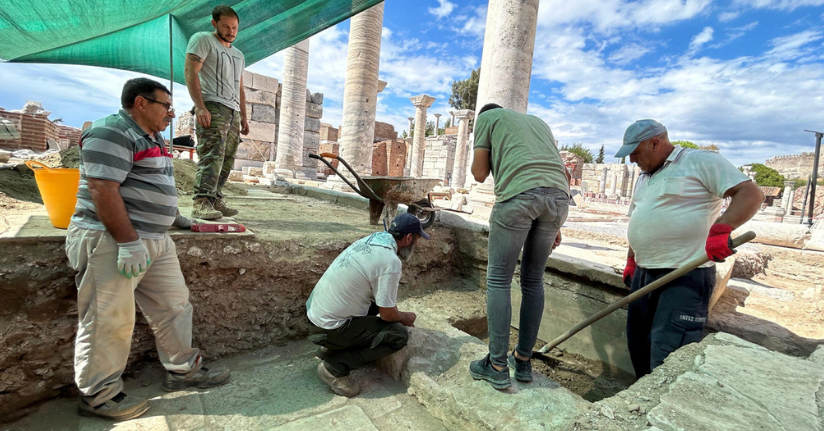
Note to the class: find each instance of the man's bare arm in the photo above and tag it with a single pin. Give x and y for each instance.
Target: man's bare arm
(480, 165)
(244, 124)
(191, 69)
(746, 199)
(392, 314)
(111, 210)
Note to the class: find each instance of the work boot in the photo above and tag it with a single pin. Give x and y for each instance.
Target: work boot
(199, 377)
(523, 369)
(483, 370)
(202, 208)
(119, 408)
(344, 386)
(221, 206)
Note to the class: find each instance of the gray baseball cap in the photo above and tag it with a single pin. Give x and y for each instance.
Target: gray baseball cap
(638, 132)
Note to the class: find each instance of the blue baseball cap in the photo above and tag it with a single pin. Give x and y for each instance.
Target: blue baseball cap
(638, 132)
(407, 223)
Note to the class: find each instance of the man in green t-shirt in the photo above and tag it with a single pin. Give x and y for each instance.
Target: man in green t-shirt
(532, 201)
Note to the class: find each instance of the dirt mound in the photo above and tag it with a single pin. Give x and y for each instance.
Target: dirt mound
(185, 172)
(17, 184)
(68, 158)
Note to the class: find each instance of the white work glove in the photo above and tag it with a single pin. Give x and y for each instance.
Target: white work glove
(132, 258)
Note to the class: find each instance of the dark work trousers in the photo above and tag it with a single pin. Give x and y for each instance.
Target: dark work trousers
(358, 342)
(669, 317)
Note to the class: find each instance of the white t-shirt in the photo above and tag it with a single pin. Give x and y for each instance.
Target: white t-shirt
(673, 209)
(221, 70)
(368, 270)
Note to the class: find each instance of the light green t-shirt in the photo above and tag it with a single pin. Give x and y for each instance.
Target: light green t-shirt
(523, 153)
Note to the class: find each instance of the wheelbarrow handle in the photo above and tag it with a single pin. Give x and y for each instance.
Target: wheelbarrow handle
(363, 189)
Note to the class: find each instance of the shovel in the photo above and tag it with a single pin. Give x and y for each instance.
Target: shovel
(689, 266)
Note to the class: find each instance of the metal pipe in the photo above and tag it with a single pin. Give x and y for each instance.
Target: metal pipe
(818, 136)
(806, 195)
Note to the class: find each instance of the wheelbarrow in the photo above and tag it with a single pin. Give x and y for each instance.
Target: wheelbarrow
(385, 193)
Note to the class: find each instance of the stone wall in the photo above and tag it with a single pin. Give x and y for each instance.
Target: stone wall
(574, 163)
(439, 158)
(328, 133)
(36, 130)
(592, 174)
(247, 294)
(328, 147)
(384, 132)
(388, 158)
(795, 166)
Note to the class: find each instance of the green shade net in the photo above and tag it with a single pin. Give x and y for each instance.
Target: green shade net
(138, 35)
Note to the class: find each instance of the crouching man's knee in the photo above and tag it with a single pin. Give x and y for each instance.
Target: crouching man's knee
(397, 336)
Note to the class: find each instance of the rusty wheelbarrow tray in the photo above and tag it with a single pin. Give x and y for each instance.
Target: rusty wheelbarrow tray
(385, 193)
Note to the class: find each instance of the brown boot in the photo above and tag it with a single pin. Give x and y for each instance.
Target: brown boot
(221, 206)
(344, 386)
(202, 209)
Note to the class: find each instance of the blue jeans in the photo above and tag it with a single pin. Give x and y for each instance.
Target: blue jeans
(530, 220)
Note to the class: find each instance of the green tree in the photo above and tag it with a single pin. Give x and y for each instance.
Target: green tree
(404, 135)
(447, 123)
(686, 144)
(766, 176)
(580, 151)
(465, 92)
(600, 158)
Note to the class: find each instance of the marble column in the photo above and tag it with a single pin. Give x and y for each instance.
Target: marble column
(789, 194)
(409, 146)
(614, 187)
(506, 64)
(636, 173)
(452, 123)
(602, 185)
(361, 89)
(459, 168)
(437, 123)
(292, 110)
(421, 102)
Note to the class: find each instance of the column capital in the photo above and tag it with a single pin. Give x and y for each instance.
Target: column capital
(411, 119)
(789, 183)
(437, 115)
(464, 113)
(422, 101)
(381, 85)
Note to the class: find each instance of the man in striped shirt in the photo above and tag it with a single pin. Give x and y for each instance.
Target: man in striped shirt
(118, 243)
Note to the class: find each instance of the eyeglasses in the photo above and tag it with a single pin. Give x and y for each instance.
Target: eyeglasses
(168, 106)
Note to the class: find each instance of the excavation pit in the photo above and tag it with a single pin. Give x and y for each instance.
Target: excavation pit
(248, 293)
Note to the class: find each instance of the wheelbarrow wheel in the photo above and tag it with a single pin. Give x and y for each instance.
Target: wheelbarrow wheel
(426, 217)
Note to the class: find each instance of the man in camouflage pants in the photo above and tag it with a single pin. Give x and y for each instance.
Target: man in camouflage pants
(214, 77)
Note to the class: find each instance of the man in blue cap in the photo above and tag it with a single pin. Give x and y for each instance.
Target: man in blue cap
(353, 308)
(675, 216)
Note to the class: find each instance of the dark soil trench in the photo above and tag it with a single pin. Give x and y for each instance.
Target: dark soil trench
(593, 380)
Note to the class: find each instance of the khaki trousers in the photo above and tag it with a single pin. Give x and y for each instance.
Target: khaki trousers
(106, 311)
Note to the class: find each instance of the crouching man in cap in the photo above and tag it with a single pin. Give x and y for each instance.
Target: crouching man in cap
(353, 306)
(674, 218)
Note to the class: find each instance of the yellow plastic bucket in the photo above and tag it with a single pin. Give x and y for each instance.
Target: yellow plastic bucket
(58, 188)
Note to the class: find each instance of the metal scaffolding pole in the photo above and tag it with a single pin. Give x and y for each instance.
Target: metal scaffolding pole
(818, 136)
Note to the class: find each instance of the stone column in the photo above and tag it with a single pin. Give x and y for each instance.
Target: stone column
(452, 123)
(292, 110)
(602, 186)
(636, 172)
(506, 64)
(409, 147)
(361, 89)
(614, 187)
(437, 123)
(459, 170)
(789, 194)
(421, 102)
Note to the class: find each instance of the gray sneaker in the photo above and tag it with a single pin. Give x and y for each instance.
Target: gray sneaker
(199, 377)
(343, 386)
(483, 370)
(220, 205)
(523, 369)
(120, 408)
(202, 208)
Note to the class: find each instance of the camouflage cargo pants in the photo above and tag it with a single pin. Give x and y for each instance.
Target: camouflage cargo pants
(216, 148)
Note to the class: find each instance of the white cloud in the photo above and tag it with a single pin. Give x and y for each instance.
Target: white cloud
(610, 15)
(700, 39)
(788, 5)
(629, 53)
(443, 10)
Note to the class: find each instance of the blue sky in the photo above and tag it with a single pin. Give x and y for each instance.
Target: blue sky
(746, 75)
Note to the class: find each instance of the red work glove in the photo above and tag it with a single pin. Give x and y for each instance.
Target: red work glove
(629, 271)
(719, 243)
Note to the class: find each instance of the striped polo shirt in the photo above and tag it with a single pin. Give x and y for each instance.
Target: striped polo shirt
(115, 148)
(523, 152)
